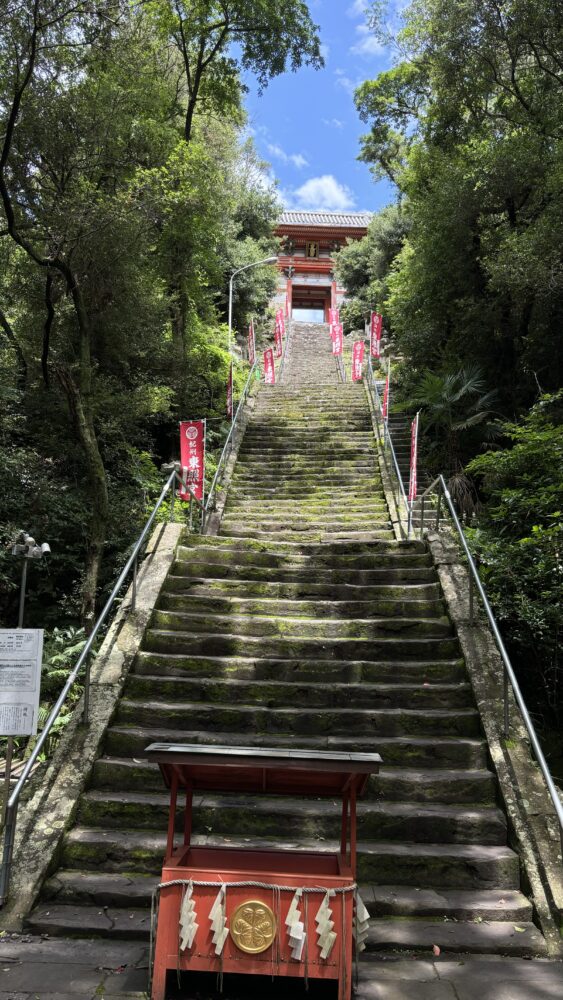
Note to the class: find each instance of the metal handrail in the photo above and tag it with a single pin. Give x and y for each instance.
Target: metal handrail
(509, 676)
(340, 367)
(83, 661)
(399, 494)
(227, 447)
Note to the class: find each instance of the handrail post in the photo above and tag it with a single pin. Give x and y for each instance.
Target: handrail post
(86, 706)
(134, 588)
(172, 500)
(422, 505)
(9, 838)
(507, 711)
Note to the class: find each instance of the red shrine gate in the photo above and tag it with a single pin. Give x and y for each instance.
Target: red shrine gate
(306, 261)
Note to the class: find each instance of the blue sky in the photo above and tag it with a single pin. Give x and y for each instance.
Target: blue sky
(306, 126)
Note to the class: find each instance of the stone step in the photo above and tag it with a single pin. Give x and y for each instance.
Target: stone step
(288, 491)
(303, 627)
(403, 785)
(300, 608)
(135, 891)
(283, 817)
(460, 866)
(351, 532)
(163, 640)
(301, 508)
(273, 525)
(246, 668)
(436, 751)
(285, 693)
(76, 921)
(359, 556)
(221, 718)
(490, 938)
(452, 904)
(383, 594)
(220, 569)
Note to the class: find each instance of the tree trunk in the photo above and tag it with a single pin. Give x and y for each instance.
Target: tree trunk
(20, 358)
(85, 432)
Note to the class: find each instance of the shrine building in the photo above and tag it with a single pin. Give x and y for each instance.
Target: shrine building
(306, 262)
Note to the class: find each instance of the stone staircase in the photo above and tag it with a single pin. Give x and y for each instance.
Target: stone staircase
(309, 360)
(305, 623)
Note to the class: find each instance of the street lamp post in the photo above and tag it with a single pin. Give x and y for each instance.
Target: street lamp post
(257, 263)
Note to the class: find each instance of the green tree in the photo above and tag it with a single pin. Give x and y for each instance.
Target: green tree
(520, 541)
(216, 39)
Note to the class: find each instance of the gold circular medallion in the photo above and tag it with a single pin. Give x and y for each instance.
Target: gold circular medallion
(253, 927)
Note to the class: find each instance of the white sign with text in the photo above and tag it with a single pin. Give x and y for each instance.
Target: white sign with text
(21, 652)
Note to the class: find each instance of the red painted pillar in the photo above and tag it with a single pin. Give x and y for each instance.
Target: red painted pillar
(289, 293)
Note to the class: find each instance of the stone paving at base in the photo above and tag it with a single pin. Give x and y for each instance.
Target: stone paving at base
(33, 968)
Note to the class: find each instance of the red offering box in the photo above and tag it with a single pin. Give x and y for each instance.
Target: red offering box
(257, 938)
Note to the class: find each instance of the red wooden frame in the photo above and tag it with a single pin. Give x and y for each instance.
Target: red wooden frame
(271, 772)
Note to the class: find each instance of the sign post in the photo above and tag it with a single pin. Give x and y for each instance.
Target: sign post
(357, 360)
(385, 406)
(230, 392)
(251, 344)
(21, 654)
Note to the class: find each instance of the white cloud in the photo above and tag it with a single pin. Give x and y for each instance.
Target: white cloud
(368, 45)
(297, 159)
(325, 51)
(344, 81)
(358, 8)
(322, 193)
(333, 122)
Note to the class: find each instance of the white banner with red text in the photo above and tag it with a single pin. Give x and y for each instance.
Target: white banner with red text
(376, 329)
(358, 360)
(192, 458)
(337, 334)
(269, 367)
(413, 484)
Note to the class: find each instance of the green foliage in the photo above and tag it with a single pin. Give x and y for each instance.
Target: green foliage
(363, 267)
(468, 123)
(519, 541)
(113, 277)
(456, 413)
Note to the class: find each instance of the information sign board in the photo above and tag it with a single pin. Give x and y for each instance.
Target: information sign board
(21, 652)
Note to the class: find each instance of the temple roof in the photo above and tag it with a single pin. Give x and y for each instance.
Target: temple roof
(353, 220)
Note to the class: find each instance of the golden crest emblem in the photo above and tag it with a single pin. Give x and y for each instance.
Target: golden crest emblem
(253, 927)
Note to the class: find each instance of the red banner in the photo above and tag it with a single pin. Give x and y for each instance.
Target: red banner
(376, 329)
(230, 392)
(357, 361)
(280, 322)
(334, 316)
(269, 367)
(414, 460)
(192, 458)
(337, 333)
(251, 345)
(278, 341)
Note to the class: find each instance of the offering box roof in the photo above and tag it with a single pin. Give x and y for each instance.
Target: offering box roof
(272, 772)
